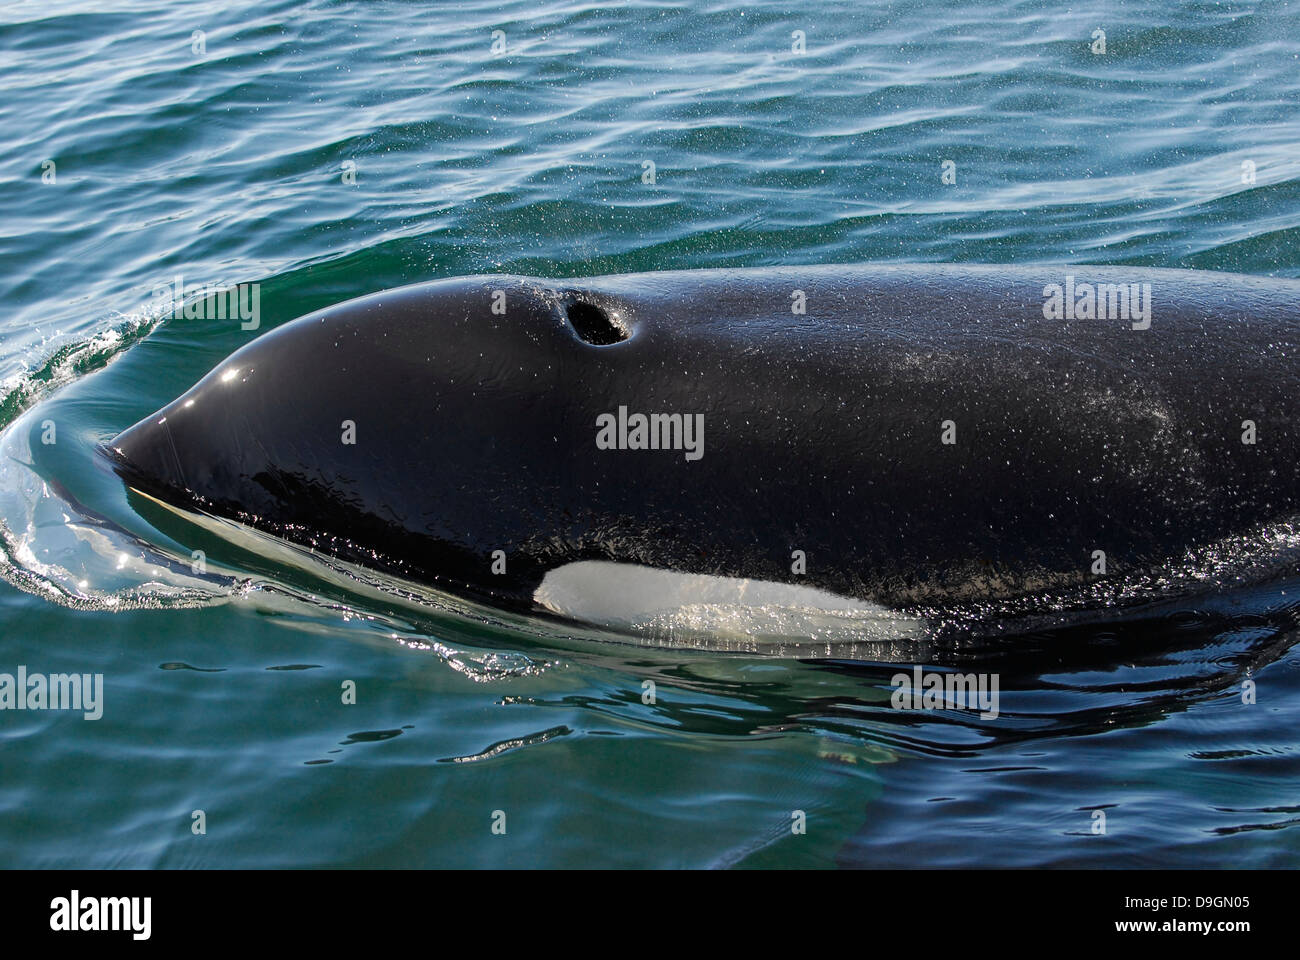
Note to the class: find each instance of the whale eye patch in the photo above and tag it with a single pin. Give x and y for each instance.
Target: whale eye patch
(594, 324)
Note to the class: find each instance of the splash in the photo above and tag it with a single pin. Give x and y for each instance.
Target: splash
(70, 361)
(56, 548)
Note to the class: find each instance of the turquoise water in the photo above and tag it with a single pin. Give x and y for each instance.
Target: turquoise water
(328, 150)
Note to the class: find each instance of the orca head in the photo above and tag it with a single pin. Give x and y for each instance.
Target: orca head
(440, 411)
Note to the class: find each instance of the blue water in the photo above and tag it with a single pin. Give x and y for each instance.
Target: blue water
(327, 150)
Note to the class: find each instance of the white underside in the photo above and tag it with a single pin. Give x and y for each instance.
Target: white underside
(646, 599)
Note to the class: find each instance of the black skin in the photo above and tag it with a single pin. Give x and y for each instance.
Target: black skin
(476, 431)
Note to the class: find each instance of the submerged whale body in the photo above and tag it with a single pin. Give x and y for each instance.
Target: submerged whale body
(845, 439)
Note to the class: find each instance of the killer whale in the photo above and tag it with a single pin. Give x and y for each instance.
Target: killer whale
(855, 439)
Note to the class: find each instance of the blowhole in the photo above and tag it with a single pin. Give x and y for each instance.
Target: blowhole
(594, 324)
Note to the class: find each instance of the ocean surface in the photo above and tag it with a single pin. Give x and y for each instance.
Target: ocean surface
(328, 150)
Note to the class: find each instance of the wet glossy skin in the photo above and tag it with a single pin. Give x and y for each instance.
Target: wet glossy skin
(476, 431)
